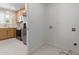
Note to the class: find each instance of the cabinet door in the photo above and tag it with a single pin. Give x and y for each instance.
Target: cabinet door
(14, 32)
(11, 32)
(3, 33)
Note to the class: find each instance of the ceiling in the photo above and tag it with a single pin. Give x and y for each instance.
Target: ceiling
(12, 6)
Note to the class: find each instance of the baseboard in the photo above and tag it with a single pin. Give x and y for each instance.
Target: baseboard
(52, 45)
(31, 51)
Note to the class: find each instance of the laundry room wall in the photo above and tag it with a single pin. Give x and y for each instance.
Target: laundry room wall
(62, 18)
(52, 23)
(36, 26)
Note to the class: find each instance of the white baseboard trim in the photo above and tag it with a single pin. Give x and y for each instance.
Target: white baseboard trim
(31, 51)
(57, 47)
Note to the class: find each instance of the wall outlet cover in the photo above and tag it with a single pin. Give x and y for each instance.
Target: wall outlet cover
(73, 29)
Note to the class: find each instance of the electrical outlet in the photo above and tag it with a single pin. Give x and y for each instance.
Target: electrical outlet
(73, 29)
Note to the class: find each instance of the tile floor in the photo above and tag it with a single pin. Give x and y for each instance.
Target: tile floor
(52, 50)
(12, 47)
(47, 50)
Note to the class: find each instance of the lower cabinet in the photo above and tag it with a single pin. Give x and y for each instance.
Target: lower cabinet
(3, 33)
(6, 33)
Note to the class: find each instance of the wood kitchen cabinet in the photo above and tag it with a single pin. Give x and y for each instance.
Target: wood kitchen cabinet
(11, 32)
(3, 33)
(6, 33)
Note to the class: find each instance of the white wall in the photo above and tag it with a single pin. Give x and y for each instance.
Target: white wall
(36, 20)
(63, 17)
